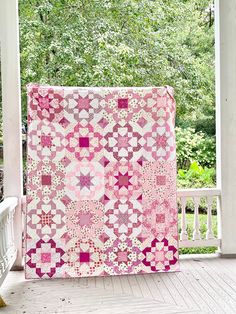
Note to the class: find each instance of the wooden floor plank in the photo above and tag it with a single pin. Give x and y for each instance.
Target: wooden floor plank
(208, 286)
(144, 287)
(135, 286)
(125, 285)
(173, 292)
(213, 276)
(190, 303)
(156, 294)
(225, 274)
(99, 282)
(108, 285)
(167, 297)
(218, 302)
(194, 294)
(215, 285)
(199, 288)
(117, 285)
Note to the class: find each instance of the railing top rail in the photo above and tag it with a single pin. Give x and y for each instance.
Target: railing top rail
(198, 192)
(8, 203)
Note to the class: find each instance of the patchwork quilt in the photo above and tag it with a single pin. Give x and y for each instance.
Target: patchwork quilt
(101, 190)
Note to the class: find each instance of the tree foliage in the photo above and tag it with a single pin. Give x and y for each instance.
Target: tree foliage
(194, 146)
(124, 43)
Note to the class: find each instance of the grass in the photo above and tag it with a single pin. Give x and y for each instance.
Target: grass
(203, 229)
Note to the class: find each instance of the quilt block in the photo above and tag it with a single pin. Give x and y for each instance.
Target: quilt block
(101, 190)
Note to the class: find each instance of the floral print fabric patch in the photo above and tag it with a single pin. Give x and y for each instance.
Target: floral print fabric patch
(101, 190)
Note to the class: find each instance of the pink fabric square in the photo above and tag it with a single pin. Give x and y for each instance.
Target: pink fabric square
(160, 218)
(123, 103)
(46, 180)
(122, 256)
(161, 180)
(44, 103)
(159, 256)
(84, 142)
(83, 103)
(46, 140)
(46, 257)
(84, 257)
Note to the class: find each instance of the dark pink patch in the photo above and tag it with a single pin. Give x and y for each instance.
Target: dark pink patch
(84, 257)
(123, 103)
(123, 180)
(84, 142)
(46, 180)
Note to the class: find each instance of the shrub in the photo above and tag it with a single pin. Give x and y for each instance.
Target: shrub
(194, 146)
(196, 177)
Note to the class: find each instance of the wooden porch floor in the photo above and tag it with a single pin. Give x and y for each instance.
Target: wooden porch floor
(204, 285)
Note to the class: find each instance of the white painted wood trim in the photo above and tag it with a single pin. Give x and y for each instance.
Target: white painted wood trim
(218, 112)
(183, 234)
(10, 71)
(8, 252)
(8, 203)
(200, 243)
(198, 192)
(209, 233)
(225, 25)
(218, 92)
(196, 226)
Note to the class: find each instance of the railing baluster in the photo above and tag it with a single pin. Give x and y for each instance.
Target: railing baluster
(7, 247)
(3, 235)
(183, 233)
(7, 234)
(209, 233)
(1, 247)
(196, 227)
(11, 224)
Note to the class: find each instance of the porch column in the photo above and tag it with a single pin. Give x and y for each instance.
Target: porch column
(12, 141)
(225, 21)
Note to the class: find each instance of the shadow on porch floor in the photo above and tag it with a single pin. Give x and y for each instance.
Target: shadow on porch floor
(206, 284)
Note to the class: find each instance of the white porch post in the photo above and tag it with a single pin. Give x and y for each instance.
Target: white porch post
(226, 119)
(10, 72)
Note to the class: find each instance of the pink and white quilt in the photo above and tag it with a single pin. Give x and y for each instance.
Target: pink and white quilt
(101, 190)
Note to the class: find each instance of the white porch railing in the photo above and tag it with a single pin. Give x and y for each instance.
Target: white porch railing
(196, 239)
(8, 250)
(7, 207)
(196, 195)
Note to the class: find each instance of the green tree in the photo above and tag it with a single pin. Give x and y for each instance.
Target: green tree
(124, 42)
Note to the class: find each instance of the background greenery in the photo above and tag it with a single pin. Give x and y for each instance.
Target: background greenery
(126, 43)
(131, 43)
